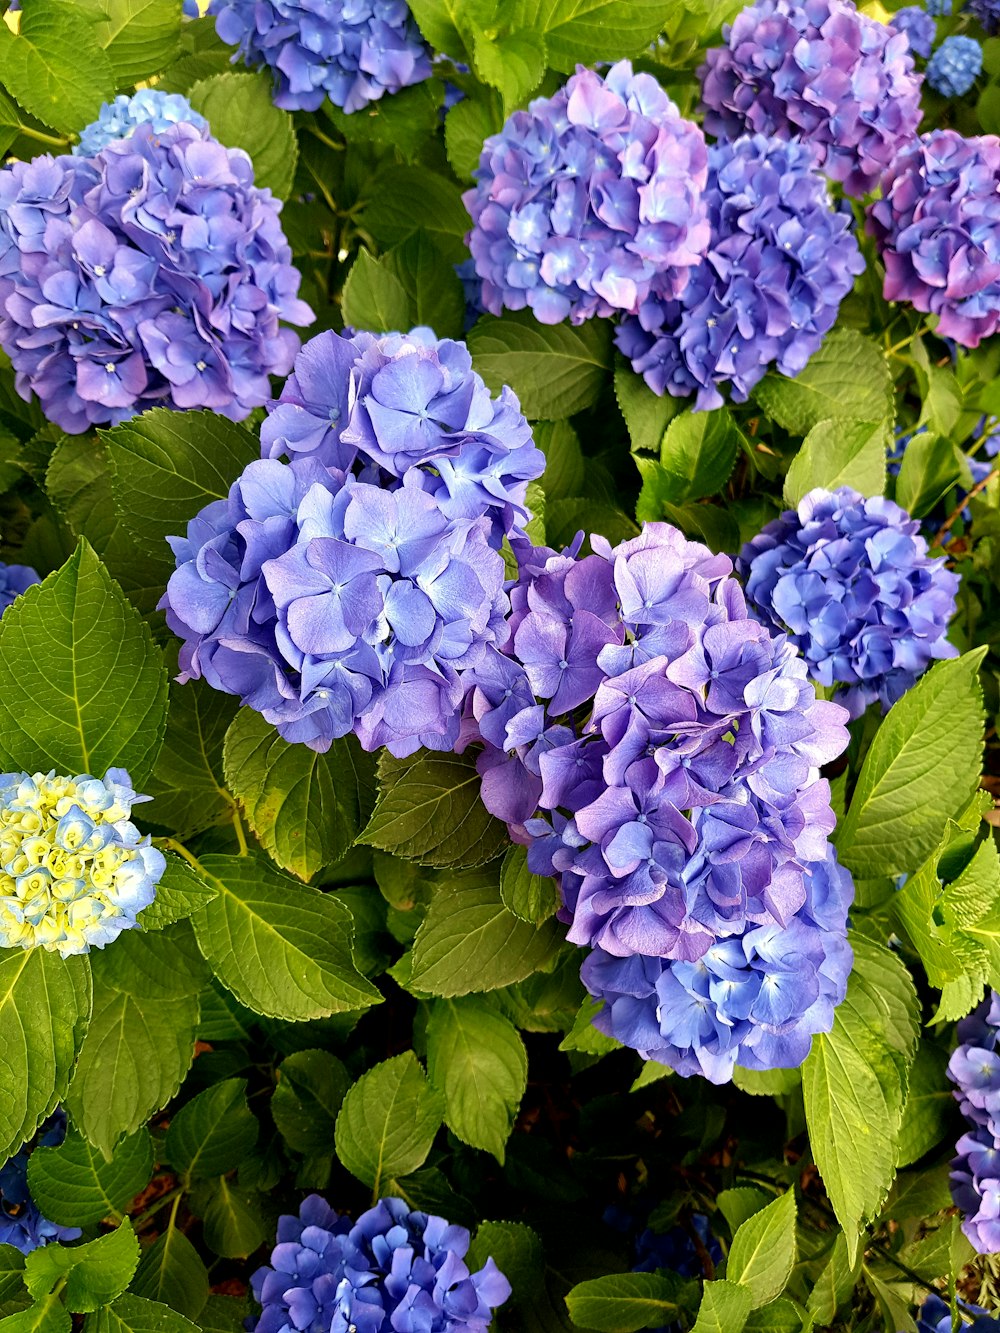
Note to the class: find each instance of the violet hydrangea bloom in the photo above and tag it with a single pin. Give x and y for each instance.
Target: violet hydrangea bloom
(148, 106)
(351, 51)
(987, 12)
(589, 200)
(658, 752)
(955, 66)
(152, 273)
(975, 1173)
(781, 260)
(14, 580)
(382, 408)
(938, 230)
(392, 1269)
(820, 71)
(936, 1317)
(919, 27)
(851, 582)
(21, 1222)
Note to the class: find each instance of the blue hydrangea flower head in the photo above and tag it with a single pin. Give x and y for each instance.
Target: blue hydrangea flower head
(352, 51)
(919, 27)
(149, 106)
(849, 579)
(938, 8)
(781, 260)
(975, 1172)
(936, 1317)
(14, 580)
(987, 12)
(21, 1223)
(820, 71)
(154, 273)
(658, 753)
(74, 870)
(392, 1269)
(589, 200)
(955, 65)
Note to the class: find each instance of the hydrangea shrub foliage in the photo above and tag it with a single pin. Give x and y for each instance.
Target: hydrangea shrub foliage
(499, 666)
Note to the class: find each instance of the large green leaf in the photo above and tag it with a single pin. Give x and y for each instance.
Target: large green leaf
(43, 69)
(477, 1060)
(187, 782)
(429, 811)
(624, 1302)
(306, 808)
(388, 1121)
(848, 378)
(412, 284)
(93, 1274)
(724, 1307)
(697, 456)
(587, 31)
(135, 1314)
(171, 1273)
(164, 964)
(402, 200)
(141, 37)
(762, 1254)
(74, 1185)
(531, 897)
(240, 110)
(212, 1133)
(283, 949)
(231, 1217)
(44, 1007)
(842, 452)
(932, 464)
(556, 370)
(922, 768)
(82, 685)
(310, 1092)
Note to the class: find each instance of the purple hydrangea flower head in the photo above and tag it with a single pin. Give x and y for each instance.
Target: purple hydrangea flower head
(332, 604)
(14, 580)
(590, 200)
(955, 66)
(152, 273)
(781, 260)
(148, 106)
(936, 1317)
(975, 1173)
(851, 582)
(820, 71)
(938, 229)
(74, 870)
(351, 51)
(392, 1269)
(919, 27)
(938, 8)
(658, 752)
(987, 12)
(384, 407)
(21, 1223)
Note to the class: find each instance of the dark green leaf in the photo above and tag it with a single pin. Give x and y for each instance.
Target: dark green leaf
(170, 1272)
(556, 370)
(848, 377)
(403, 200)
(241, 113)
(179, 894)
(134, 1314)
(388, 1121)
(187, 782)
(162, 965)
(94, 1273)
(696, 459)
(531, 897)
(310, 1092)
(74, 1185)
(231, 1218)
(623, 1302)
(212, 1133)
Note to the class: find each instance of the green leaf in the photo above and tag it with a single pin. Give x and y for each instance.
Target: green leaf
(134, 1314)
(42, 67)
(623, 1302)
(565, 466)
(646, 413)
(567, 517)
(443, 23)
(231, 1218)
(467, 126)
(724, 1308)
(531, 897)
(49, 1316)
(187, 782)
(170, 1272)
(929, 1104)
(82, 685)
(388, 1121)
(168, 465)
(283, 949)
(310, 1092)
(477, 1061)
(513, 63)
(762, 1254)
(412, 284)
(224, 1314)
(741, 1203)
(44, 1007)
(516, 1251)
(304, 807)
(11, 1274)
(179, 894)
(854, 1083)
(470, 942)
(781, 1316)
(141, 37)
(240, 110)
(584, 1036)
(586, 31)
(847, 378)
(556, 370)
(842, 452)
(835, 1283)
(429, 811)
(696, 459)
(74, 1186)
(921, 769)
(403, 200)
(95, 1273)
(932, 465)
(133, 1060)
(213, 1132)
(162, 965)
(402, 125)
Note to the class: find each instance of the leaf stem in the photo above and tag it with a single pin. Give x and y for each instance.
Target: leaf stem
(979, 486)
(172, 845)
(53, 140)
(153, 1209)
(241, 836)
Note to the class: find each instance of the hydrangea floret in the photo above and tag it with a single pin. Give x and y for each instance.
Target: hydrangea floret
(392, 1269)
(14, 580)
(657, 751)
(851, 582)
(919, 27)
(590, 200)
(820, 71)
(352, 51)
(938, 229)
(21, 1222)
(154, 273)
(74, 870)
(148, 106)
(352, 587)
(974, 1068)
(781, 260)
(955, 65)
